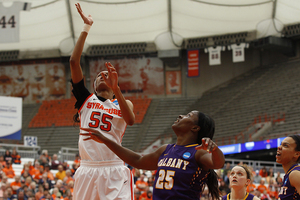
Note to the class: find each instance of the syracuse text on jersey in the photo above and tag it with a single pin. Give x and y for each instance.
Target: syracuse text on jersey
(93, 105)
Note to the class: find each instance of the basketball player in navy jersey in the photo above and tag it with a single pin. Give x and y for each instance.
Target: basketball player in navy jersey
(183, 168)
(102, 174)
(239, 179)
(288, 155)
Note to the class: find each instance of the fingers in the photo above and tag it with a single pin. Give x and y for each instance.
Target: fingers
(110, 67)
(207, 144)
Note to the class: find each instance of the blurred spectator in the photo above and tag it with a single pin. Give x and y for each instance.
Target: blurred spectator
(263, 172)
(26, 168)
(56, 194)
(15, 185)
(223, 186)
(49, 173)
(25, 176)
(69, 190)
(61, 173)
(146, 195)
(21, 195)
(65, 165)
(28, 181)
(141, 184)
(265, 196)
(16, 158)
(136, 174)
(4, 179)
(137, 194)
(7, 156)
(8, 193)
(226, 169)
(270, 176)
(55, 162)
(226, 178)
(68, 176)
(43, 160)
(74, 168)
(46, 195)
(60, 186)
(39, 193)
(2, 161)
(257, 177)
(2, 190)
(39, 174)
(35, 170)
(45, 180)
(261, 187)
(68, 195)
(32, 187)
(8, 170)
(251, 187)
(77, 159)
(45, 153)
(279, 179)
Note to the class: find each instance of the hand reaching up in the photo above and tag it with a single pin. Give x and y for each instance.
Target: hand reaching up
(111, 79)
(86, 19)
(207, 144)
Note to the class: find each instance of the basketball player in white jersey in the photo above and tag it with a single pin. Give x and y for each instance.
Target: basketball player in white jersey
(102, 174)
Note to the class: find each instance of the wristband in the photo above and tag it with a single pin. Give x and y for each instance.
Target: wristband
(86, 28)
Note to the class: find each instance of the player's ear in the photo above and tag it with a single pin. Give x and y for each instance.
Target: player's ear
(195, 128)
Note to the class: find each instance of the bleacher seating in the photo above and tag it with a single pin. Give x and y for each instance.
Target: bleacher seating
(60, 112)
(54, 113)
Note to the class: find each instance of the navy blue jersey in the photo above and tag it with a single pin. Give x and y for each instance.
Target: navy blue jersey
(247, 197)
(178, 175)
(286, 190)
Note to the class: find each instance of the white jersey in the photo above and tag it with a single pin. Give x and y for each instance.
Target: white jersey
(106, 117)
(214, 54)
(10, 21)
(238, 54)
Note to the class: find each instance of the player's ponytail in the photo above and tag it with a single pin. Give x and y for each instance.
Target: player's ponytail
(207, 129)
(213, 184)
(76, 118)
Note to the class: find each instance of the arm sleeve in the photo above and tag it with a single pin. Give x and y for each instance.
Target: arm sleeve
(80, 92)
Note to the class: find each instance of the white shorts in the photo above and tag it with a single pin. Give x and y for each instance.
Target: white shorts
(103, 180)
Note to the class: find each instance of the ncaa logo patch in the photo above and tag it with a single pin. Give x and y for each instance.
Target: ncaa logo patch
(116, 102)
(186, 155)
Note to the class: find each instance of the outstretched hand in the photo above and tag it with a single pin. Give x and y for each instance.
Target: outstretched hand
(111, 79)
(86, 19)
(207, 144)
(93, 135)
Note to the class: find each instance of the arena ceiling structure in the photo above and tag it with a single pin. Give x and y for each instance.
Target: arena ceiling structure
(53, 26)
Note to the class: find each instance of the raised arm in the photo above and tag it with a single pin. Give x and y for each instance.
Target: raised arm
(209, 156)
(125, 105)
(147, 162)
(76, 72)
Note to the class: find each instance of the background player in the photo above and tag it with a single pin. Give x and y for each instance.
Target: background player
(288, 154)
(239, 178)
(182, 168)
(101, 175)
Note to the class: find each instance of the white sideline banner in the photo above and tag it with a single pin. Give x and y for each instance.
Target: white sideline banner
(10, 117)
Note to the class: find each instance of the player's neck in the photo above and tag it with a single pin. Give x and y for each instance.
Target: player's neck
(105, 94)
(238, 194)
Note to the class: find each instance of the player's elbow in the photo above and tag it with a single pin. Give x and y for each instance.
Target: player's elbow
(73, 62)
(130, 122)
